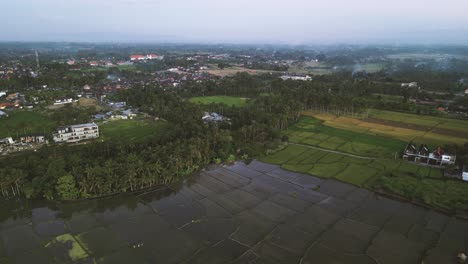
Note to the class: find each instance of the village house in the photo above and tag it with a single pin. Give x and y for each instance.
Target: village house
(152, 56)
(117, 105)
(126, 114)
(465, 173)
(64, 101)
(76, 133)
(4, 105)
(3, 114)
(424, 155)
(137, 57)
(410, 85)
(39, 139)
(296, 78)
(213, 117)
(6, 141)
(13, 96)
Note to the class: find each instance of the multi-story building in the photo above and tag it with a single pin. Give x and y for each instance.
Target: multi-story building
(76, 133)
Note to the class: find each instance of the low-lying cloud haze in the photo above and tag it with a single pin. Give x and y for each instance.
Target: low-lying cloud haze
(237, 21)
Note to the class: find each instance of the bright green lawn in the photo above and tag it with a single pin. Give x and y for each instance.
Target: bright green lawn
(228, 100)
(135, 130)
(25, 122)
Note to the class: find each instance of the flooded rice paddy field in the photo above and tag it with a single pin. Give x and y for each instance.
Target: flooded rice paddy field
(255, 213)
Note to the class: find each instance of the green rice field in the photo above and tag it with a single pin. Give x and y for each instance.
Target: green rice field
(311, 131)
(415, 182)
(354, 170)
(228, 100)
(328, 152)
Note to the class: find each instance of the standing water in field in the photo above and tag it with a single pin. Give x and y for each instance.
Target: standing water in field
(240, 213)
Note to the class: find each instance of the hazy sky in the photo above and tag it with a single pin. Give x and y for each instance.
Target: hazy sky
(237, 21)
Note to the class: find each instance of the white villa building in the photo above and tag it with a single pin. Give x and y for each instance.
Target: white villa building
(76, 133)
(296, 78)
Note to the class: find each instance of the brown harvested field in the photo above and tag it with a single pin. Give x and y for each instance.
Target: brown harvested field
(394, 129)
(436, 130)
(449, 132)
(397, 124)
(88, 102)
(234, 70)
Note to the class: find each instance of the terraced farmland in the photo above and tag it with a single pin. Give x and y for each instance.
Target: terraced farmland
(347, 168)
(311, 131)
(420, 183)
(349, 150)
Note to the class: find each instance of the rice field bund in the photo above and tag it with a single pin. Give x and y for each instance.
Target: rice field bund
(359, 155)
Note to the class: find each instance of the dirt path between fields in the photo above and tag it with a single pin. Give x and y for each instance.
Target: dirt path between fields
(334, 151)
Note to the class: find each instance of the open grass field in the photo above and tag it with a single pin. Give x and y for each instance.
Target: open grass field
(228, 100)
(134, 130)
(25, 122)
(373, 67)
(429, 130)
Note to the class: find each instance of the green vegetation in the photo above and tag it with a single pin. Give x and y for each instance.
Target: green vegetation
(395, 176)
(436, 134)
(383, 172)
(426, 121)
(25, 122)
(75, 252)
(447, 195)
(66, 188)
(130, 130)
(228, 100)
(311, 131)
(139, 154)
